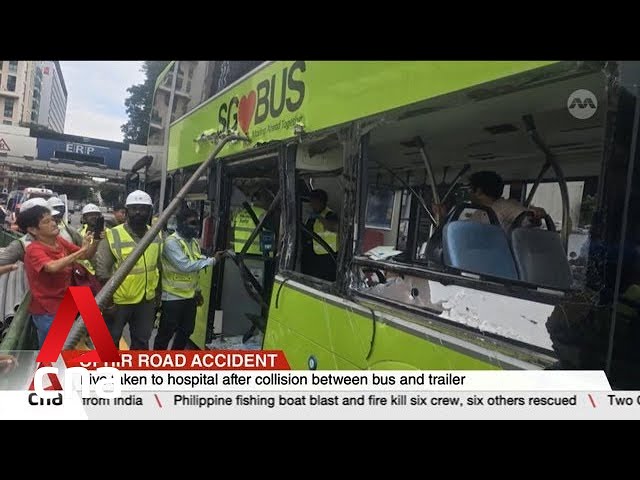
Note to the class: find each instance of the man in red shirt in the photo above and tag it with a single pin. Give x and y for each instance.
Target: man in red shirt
(48, 262)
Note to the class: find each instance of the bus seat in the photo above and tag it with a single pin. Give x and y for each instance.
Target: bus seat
(540, 257)
(478, 248)
(372, 239)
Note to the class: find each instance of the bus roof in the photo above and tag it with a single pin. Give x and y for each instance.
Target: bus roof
(284, 98)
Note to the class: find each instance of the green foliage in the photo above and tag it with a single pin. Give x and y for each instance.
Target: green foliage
(139, 104)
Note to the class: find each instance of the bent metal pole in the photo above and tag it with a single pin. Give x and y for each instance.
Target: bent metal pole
(78, 331)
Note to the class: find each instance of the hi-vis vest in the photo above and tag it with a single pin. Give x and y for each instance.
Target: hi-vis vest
(330, 237)
(175, 282)
(142, 281)
(243, 225)
(64, 233)
(86, 263)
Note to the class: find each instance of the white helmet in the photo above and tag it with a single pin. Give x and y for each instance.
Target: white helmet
(55, 202)
(32, 202)
(138, 198)
(90, 208)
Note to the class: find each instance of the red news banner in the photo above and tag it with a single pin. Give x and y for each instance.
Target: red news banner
(185, 360)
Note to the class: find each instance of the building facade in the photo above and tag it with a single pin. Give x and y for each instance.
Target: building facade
(33, 93)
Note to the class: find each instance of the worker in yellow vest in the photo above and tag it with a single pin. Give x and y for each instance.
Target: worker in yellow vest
(181, 264)
(136, 298)
(316, 259)
(244, 223)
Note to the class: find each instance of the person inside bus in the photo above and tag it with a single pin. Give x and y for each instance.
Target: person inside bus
(324, 222)
(67, 232)
(243, 224)
(486, 190)
(181, 296)
(14, 252)
(48, 264)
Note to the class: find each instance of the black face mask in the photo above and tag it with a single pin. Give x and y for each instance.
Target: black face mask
(138, 220)
(189, 231)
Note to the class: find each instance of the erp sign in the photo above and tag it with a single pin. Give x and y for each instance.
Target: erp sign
(48, 149)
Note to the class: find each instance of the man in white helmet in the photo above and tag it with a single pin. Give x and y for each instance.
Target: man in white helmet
(90, 215)
(14, 252)
(66, 232)
(136, 298)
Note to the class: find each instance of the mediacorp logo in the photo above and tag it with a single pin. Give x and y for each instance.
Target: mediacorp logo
(582, 104)
(269, 100)
(78, 300)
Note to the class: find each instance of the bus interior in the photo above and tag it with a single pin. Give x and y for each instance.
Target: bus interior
(456, 269)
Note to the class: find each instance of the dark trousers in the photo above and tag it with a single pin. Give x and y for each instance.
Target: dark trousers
(140, 317)
(179, 317)
(319, 266)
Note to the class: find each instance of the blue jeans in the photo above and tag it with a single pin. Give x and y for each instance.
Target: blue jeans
(43, 324)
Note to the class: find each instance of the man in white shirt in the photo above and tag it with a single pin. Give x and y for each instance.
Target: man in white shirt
(486, 190)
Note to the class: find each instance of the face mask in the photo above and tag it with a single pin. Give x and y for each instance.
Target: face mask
(138, 220)
(189, 231)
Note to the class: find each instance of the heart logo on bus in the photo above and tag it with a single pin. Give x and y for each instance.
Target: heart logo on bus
(246, 107)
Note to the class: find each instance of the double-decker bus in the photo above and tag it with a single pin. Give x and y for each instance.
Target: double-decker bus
(420, 279)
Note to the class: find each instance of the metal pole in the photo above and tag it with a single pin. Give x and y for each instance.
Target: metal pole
(623, 232)
(427, 165)
(163, 177)
(532, 193)
(78, 330)
(256, 230)
(455, 181)
(562, 182)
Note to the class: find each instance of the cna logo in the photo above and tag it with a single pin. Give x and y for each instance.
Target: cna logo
(76, 300)
(582, 104)
(270, 98)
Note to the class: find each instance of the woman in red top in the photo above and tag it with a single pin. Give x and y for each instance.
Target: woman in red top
(48, 262)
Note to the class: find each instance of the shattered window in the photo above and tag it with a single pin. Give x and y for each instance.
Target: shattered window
(475, 210)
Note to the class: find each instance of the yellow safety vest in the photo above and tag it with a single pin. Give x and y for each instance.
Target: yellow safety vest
(330, 237)
(176, 282)
(64, 232)
(142, 281)
(86, 263)
(243, 225)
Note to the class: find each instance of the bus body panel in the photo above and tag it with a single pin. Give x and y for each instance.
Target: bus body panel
(313, 324)
(322, 94)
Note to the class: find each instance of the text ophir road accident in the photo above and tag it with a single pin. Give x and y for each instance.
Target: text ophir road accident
(141, 360)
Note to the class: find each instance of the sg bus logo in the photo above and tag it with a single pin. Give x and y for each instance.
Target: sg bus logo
(582, 104)
(283, 92)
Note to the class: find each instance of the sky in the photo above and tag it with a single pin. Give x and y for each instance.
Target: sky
(96, 95)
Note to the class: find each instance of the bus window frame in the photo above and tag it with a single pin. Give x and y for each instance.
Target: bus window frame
(510, 288)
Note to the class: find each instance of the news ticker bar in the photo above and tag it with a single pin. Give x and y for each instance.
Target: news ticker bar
(324, 404)
(226, 380)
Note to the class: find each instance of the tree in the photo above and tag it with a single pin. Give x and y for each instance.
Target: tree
(139, 103)
(111, 195)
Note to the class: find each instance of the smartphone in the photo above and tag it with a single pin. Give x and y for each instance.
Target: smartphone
(97, 230)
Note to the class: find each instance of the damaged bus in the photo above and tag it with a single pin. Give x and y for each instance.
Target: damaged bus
(416, 282)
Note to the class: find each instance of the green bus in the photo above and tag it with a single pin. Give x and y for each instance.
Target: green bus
(422, 275)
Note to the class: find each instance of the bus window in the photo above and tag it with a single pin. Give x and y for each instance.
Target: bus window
(582, 201)
(319, 201)
(457, 251)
